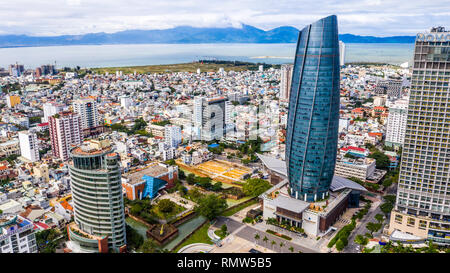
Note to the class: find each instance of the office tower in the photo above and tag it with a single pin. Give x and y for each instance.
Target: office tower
(341, 53)
(65, 131)
(50, 109)
(423, 197)
(16, 234)
(12, 100)
(313, 117)
(396, 124)
(172, 135)
(209, 117)
(87, 110)
(285, 81)
(99, 218)
(29, 147)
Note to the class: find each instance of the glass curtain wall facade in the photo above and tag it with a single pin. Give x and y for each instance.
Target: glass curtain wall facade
(313, 117)
(97, 196)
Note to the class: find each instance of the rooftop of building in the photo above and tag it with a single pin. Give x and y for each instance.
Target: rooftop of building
(153, 170)
(355, 161)
(278, 196)
(93, 147)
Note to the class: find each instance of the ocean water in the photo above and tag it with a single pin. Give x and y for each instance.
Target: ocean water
(152, 54)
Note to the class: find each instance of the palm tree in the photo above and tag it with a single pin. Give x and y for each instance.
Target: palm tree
(257, 237)
(281, 245)
(273, 243)
(265, 239)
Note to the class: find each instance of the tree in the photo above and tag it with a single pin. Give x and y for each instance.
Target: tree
(149, 246)
(361, 240)
(217, 186)
(181, 175)
(136, 209)
(265, 239)
(387, 182)
(373, 227)
(379, 218)
(291, 249)
(224, 229)
(166, 205)
(386, 207)
(382, 160)
(257, 237)
(339, 245)
(190, 179)
(273, 243)
(255, 186)
(134, 239)
(211, 206)
(281, 245)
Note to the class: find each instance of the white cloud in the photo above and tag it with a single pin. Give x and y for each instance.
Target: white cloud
(363, 17)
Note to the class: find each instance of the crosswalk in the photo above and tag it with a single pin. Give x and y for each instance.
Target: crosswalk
(344, 221)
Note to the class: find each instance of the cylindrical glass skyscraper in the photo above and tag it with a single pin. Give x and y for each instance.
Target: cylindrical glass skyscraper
(97, 195)
(313, 117)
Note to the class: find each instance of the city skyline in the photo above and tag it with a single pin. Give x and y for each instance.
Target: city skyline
(81, 17)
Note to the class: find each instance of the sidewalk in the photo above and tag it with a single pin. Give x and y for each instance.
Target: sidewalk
(296, 238)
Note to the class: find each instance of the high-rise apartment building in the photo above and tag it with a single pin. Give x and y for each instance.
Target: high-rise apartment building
(285, 81)
(50, 109)
(172, 135)
(396, 123)
(394, 89)
(87, 110)
(29, 147)
(341, 53)
(313, 117)
(90, 119)
(99, 218)
(65, 131)
(209, 117)
(423, 199)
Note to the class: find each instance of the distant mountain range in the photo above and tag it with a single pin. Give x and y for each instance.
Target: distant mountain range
(186, 35)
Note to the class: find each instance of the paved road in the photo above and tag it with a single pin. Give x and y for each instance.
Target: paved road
(248, 233)
(392, 189)
(361, 229)
(232, 225)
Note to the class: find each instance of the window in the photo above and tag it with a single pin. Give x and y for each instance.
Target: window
(411, 221)
(422, 224)
(398, 218)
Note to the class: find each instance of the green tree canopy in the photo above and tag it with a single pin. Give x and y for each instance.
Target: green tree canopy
(382, 160)
(149, 246)
(166, 205)
(340, 245)
(211, 206)
(256, 186)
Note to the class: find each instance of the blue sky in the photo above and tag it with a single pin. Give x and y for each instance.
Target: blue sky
(362, 17)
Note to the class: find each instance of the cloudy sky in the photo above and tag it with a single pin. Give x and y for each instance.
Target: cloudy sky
(362, 17)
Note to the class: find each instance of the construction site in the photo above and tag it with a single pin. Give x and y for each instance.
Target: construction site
(219, 171)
